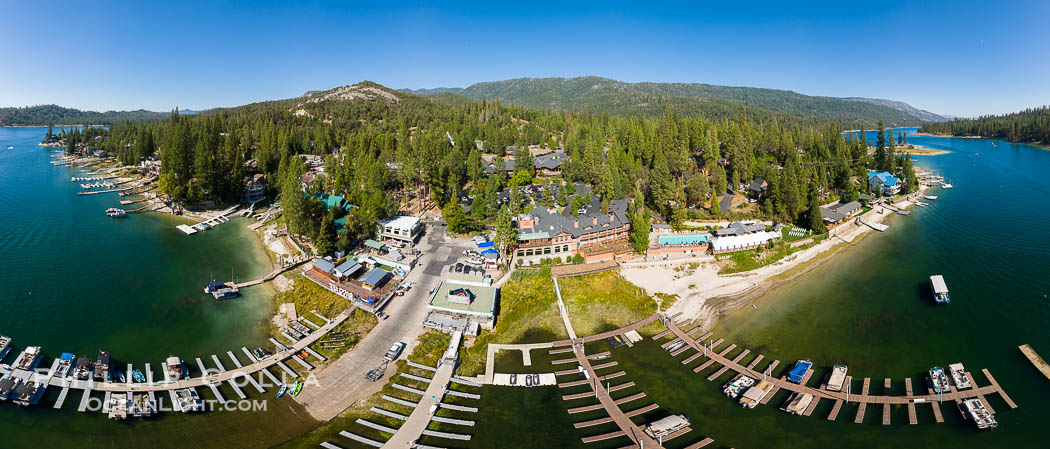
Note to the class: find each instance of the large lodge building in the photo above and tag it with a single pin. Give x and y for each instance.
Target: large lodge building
(545, 233)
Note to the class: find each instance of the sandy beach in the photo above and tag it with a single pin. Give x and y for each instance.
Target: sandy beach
(704, 294)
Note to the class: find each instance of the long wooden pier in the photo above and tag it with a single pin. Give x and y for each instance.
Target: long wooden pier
(1036, 360)
(863, 399)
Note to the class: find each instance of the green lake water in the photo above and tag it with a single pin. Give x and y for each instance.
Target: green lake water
(870, 308)
(75, 280)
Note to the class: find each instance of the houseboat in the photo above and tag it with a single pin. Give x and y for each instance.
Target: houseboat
(938, 381)
(837, 379)
(102, 372)
(735, 387)
(940, 290)
(223, 290)
(28, 393)
(65, 365)
(5, 346)
(666, 426)
(140, 405)
(799, 371)
(974, 409)
(83, 369)
(754, 395)
(175, 369)
(188, 400)
(114, 212)
(958, 373)
(28, 359)
(7, 386)
(797, 403)
(118, 406)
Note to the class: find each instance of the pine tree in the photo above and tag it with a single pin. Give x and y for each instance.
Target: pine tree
(815, 218)
(324, 244)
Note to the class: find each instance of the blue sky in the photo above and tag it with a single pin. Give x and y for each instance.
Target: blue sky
(952, 57)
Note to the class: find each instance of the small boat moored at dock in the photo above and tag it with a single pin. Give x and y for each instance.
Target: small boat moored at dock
(754, 395)
(222, 290)
(114, 212)
(175, 369)
(940, 290)
(734, 388)
(137, 376)
(837, 379)
(799, 371)
(958, 373)
(666, 426)
(939, 381)
(797, 403)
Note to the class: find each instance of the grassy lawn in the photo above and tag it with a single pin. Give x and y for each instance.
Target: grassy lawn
(432, 345)
(604, 301)
(308, 296)
(528, 313)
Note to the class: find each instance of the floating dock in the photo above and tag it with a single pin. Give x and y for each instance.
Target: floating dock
(1036, 360)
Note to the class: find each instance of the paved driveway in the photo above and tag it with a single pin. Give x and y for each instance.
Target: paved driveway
(342, 382)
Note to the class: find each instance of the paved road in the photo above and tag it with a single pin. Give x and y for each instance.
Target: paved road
(343, 381)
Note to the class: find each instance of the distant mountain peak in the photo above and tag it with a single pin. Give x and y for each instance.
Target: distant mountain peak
(365, 90)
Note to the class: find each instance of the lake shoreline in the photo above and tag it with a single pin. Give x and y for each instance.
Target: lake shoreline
(723, 294)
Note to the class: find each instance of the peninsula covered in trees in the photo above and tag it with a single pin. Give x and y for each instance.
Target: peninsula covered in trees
(1029, 125)
(380, 147)
(56, 115)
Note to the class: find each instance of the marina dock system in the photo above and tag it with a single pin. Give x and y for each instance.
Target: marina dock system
(864, 399)
(207, 378)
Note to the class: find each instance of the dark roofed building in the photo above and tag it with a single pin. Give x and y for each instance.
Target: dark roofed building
(550, 163)
(544, 232)
(375, 278)
(739, 228)
(759, 187)
(839, 212)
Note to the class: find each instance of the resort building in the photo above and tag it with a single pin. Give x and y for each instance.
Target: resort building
(740, 236)
(545, 233)
(839, 212)
(455, 306)
(402, 228)
(549, 163)
(885, 182)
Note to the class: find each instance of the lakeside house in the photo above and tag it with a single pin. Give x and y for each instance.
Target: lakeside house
(839, 212)
(758, 188)
(546, 233)
(255, 188)
(885, 182)
(369, 291)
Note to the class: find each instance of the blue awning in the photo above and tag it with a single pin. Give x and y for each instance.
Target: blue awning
(488, 244)
(490, 251)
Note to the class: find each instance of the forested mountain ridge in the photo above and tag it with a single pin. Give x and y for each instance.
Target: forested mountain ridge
(924, 115)
(381, 146)
(650, 99)
(1029, 125)
(44, 115)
